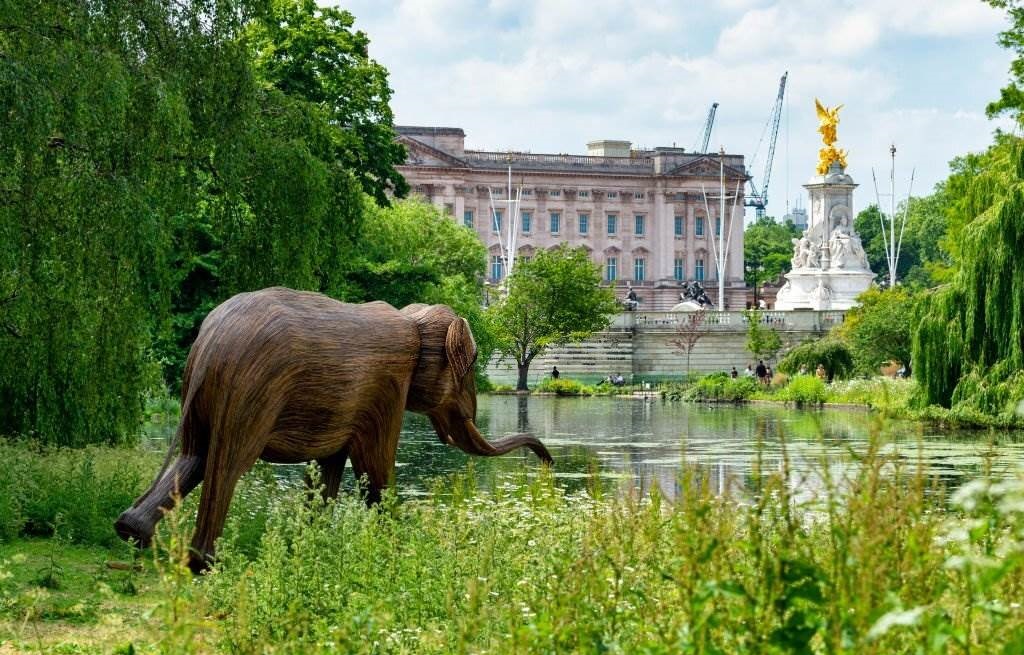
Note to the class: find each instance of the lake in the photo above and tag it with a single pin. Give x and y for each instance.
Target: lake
(638, 443)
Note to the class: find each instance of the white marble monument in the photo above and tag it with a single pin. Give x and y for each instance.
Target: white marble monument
(830, 268)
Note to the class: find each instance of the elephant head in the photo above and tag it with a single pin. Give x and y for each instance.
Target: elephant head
(443, 385)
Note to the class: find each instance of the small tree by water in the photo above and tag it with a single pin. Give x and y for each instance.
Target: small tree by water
(763, 342)
(690, 329)
(552, 299)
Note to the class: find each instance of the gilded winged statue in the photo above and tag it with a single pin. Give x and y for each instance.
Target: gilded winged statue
(828, 121)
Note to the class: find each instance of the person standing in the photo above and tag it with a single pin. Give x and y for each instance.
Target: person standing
(735, 374)
(554, 372)
(761, 371)
(820, 372)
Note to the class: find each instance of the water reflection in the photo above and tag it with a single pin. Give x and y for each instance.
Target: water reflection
(642, 443)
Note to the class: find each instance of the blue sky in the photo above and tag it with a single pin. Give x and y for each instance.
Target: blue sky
(550, 75)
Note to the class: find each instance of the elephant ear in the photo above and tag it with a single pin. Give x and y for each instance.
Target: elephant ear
(461, 349)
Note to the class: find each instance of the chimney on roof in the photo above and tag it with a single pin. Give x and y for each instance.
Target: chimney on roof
(608, 148)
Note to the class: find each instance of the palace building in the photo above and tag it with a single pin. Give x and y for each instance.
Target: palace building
(641, 214)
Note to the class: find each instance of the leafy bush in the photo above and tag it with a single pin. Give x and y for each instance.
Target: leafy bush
(564, 387)
(888, 394)
(805, 390)
(86, 488)
(833, 354)
(721, 387)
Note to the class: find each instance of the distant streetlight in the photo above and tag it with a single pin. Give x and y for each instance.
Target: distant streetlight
(756, 270)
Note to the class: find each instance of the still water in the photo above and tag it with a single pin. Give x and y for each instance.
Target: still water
(638, 443)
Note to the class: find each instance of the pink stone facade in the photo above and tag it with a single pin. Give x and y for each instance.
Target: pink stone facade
(642, 217)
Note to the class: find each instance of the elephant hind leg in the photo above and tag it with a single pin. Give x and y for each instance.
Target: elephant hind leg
(374, 458)
(332, 469)
(138, 523)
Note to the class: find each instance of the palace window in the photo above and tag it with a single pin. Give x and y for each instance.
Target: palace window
(582, 194)
(639, 195)
(638, 269)
(698, 226)
(584, 223)
(556, 222)
(698, 271)
(613, 223)
(496, 267)
(718, 226)
(679, 269)
(612, 194)
(467, 218)
(611, 266)
(638, 225)
(497, 191)
(527, 219)
(449, 209)
(527, 192)
(680, 226)
(497, 220)
(555, 193)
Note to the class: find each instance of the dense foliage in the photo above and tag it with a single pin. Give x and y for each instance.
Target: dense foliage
(767, 250)
(923, 261)
(156, 158)
(971, 330)
(830, 352)
(863, 560)
(879, 329)
(554, 298)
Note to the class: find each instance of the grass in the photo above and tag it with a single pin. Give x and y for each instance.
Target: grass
(876, 560)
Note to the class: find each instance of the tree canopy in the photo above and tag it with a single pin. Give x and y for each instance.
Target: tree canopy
(156, 158)
(880, 328)
(767, 250)
(552, 299)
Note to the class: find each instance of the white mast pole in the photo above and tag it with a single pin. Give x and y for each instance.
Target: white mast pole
(906, 208)
(510, 252)
(721, 231)
(892, 217)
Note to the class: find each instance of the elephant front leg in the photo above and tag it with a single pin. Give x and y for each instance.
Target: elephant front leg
(137, 523)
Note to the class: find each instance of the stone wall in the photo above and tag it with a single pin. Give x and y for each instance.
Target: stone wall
(638, 344)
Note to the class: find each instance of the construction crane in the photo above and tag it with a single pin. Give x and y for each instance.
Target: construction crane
(705, 137)
(758, 196)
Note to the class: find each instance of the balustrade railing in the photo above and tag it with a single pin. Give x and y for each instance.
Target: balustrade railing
(817, 321)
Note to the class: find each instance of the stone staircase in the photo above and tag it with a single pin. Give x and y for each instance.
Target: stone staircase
(589, 361)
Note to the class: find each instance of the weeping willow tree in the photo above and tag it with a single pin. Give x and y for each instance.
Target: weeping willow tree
(152, 163)
(968, 347)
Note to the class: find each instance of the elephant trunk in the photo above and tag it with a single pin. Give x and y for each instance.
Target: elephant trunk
(474, 443)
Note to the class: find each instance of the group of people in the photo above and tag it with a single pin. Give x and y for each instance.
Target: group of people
(764, 373)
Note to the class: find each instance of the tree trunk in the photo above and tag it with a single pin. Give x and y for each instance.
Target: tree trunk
(524, 369)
